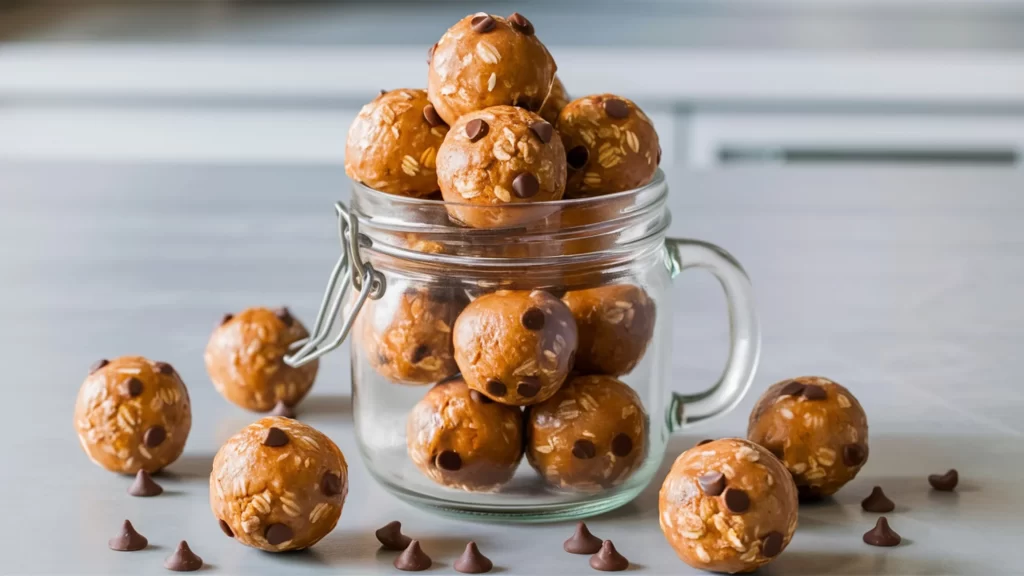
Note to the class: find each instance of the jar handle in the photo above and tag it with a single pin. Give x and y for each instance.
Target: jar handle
(745, 336)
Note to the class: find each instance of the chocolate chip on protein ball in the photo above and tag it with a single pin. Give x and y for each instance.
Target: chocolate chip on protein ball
(882, 534)
(520, 23)
(430, 115)
(128, 539)
(144, 486)
(877, 501)
(525, 185)
(543, 130)
(712, 483)
(183, 559)
(944, 482)
(99, 364)
(154, 436)
(582, 541)
(275, 438)
(226, 529)
(736, 500)
(390, 536)
(413, 559)
(476, 129)
(163, 368)
(472, 561)
(449, 460)
(608, 559)
(277, 534)
(771, 544)
(577, 157)
(483, 23)
(812, 392)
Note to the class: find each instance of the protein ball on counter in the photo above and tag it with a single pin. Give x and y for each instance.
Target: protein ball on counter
(485, 61)
(817, 428)
(499, 157)
(133, 414)
(557, 100)
(516, 347)
(278, 485)
(245, 359)
(462, 439)
(615, 323)
(728, 506)
(610, 144)
(392, 144)
(591, 435)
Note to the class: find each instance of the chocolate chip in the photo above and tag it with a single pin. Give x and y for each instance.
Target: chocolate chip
(155, 436)
(449, 460)
(391, 538)
(421, 352)
(496, 388)
(882, 534)
(533, 318)
(944, 482)
(275, 438)
(525, 185)
(430, 53)
(413, 559)
(226, 318)
(622, 444)
(144, 486)
(482, 23)
(771, 544)
(584, 449)
(703, 442)
(616, 108)
(792, 388)
(543, 131)
(608, 559)
(330, 484)
(528, 387)
(476, 129)
(134, 386)
(226, 529)
(98, 364)
(577, 157)
(284, 315)
(520, 23)
(277, 534)
(127, 540)
(183, 559)
(582, 541)
(812, 392)
(164, 368)
(712, 483)
(877, 501)
(736, 500)
(472, 561)
(854, 454)
(283, 410)
(432, 117)
(479, 398)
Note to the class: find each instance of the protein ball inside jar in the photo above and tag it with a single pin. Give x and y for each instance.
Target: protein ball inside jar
(278, 485)
(557, 100)
(615, 323)
(591, 435)
(245, 359)
(462, 439)
(499, 157)
(133, 414)
(516, 347)
(728, 506)
(485, 61)
(817, 428)
(610, 144)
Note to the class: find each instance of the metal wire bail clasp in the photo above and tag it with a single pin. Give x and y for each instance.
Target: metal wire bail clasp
(350, 270)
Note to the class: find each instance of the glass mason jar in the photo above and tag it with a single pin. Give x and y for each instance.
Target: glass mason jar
(521, 371)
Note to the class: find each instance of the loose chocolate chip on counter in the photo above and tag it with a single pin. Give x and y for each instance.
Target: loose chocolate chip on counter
(278, 534)
(413, 559)
(98, 364)
(283, 410)
(164, 368)
(275, 438)
(881, 534)
(449, 460)
(478, 397)
(608, 559)
(520, 23)
(582, 541)
(529, 386)
(431, 116)
(430, 53)
(496, 388)
(577, 157)
(703, 442)
(482, 23)
(226, 318)
(525, 185)
(154, 436)
(127, 540)
(584, 449)
(144, 486)
(472, 561)
(616, 108)
(134, 386)
(330, 484)
(622, 444)
(226, 529)
(419, 353)
(183, 559)
(533, 319)
(476, 129)
(794, 388)
(543, 131)
(771, 544)
(853, 454)
(944, 482)
(284, 315)
(712, 483)
(391, 538)
(812, 392)
(877, 501)
(736, 500)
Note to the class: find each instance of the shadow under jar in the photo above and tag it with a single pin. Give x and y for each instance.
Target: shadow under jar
(520, 372)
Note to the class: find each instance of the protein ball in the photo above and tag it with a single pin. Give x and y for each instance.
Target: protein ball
(462, 439)
(728, 506)
(278, 485)
(392, 144)
(817, 428)
(485, 61)
(133, 414)
(245, 359)
(610, 144)
(615, 323)
(497, 159)
(591, 435)
(516, 347)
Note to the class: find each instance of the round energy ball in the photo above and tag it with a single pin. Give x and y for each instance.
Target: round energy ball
(591, 435)
(278, 485)
(558, 99)
(610, 144)
(245, 359)
(728, 506)
(392, 144)
(516, 347)
(462, 439)
(615, 323)
(817, 428)
(485, 61)
(499, 157)
(133, 414)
